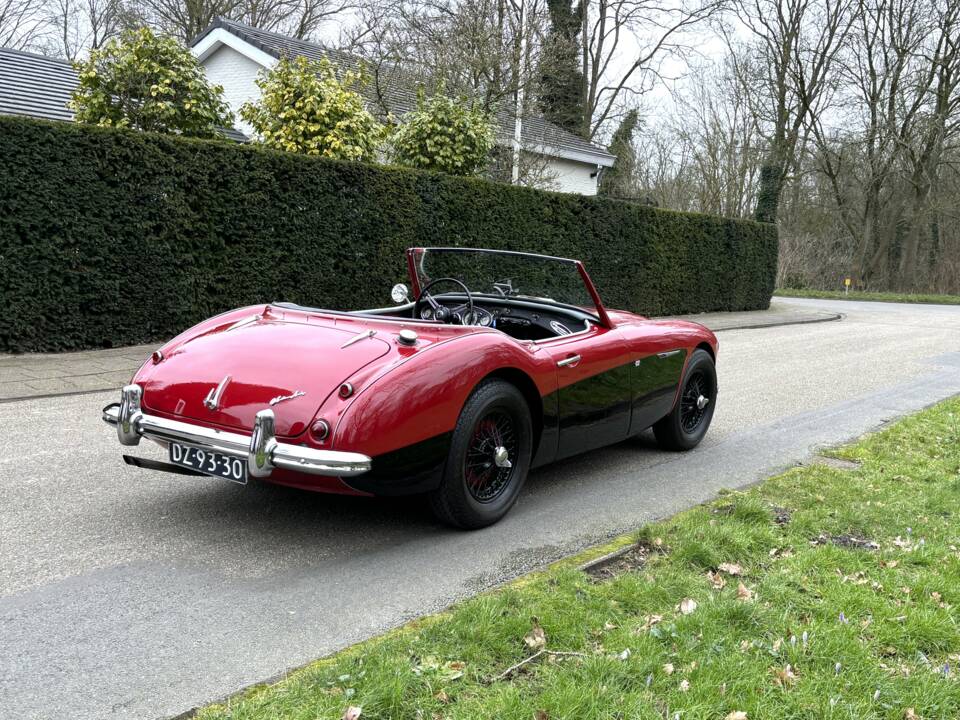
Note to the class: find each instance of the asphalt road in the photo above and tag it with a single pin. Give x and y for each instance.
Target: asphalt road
(127, 594)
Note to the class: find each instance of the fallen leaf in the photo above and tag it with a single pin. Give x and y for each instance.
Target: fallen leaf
(668, 668)
(736, 715)
(730, 568)
(910, 714)
(625, 654)
(609, 626)
(541, 715)
(453, 670)
(351, 713)
(743, 592)
(716, 579)
(688, 605)
(650, 620)
(536, 639)
(784, 678)
(684, 685)
(442, 696)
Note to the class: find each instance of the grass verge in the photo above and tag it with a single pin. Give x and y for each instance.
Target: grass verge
(821, 593)
(871, 296)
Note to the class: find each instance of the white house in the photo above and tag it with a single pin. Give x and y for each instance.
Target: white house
(234, 53)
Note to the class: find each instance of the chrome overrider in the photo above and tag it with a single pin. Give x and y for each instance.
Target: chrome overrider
(260, 449)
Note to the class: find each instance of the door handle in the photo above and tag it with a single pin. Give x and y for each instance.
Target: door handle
(669, 353)
(571, 361)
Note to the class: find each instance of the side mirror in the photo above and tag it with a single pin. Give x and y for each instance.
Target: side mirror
(400, 294)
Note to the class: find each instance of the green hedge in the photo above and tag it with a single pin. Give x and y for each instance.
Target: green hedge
(111, 237)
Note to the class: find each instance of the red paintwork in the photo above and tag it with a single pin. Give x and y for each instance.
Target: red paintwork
(401, 395)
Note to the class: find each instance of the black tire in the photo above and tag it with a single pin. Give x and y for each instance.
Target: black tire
(475, 491)
(687, 423)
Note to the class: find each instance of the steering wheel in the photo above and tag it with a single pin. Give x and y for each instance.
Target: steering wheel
(441, 312)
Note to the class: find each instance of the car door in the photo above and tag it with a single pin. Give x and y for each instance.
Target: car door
(594, 375)
(658, 361)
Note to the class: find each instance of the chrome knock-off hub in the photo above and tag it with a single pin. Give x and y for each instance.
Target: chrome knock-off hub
(501, 458)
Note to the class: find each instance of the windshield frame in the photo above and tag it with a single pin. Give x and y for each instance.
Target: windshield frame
(414, 254)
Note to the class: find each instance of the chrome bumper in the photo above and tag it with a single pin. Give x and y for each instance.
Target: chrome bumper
(260, 449)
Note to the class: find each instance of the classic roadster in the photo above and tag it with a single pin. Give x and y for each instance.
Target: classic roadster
(501, 362)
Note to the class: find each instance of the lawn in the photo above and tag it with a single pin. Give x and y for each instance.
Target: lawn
(824, 592)
(872, 296)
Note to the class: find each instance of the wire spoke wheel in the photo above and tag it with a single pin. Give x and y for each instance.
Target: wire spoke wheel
(491, 456)
(696, 398)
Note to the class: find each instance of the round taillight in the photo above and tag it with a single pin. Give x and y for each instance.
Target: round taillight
(346, 390)
(320, 430)
(157, 357)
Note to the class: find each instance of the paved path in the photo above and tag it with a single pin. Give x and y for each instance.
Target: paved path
(127, 594)
(45, 374)
(48, 374)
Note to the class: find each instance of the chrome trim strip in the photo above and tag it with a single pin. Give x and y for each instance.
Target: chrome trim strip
(363, 335)
(260, 449)
(244, 321)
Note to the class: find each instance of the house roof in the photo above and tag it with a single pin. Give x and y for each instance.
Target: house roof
(35, 85)
(392, 91)
(40, 87)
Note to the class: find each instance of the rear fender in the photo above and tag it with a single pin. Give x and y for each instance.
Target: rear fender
(420, 399)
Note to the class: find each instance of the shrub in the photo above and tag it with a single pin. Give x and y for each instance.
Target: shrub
(304, 108)
(112, 237)
(444, 134)
(148, 82)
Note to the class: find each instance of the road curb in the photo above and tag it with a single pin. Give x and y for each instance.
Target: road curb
(798, 321)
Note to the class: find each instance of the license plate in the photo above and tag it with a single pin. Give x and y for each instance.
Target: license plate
(211, 463)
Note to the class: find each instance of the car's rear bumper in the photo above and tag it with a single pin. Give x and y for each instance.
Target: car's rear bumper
(260, 450)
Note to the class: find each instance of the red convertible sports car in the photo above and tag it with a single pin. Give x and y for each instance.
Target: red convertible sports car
(504, 361)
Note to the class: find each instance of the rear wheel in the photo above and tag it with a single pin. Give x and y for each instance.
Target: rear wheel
(690, 418)
(489, 457)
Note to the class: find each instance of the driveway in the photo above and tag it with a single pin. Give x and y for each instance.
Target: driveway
(126, 594)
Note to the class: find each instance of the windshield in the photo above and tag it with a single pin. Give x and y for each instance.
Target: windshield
(500, 273)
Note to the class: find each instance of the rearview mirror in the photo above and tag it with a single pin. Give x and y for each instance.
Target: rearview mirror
(400, 294)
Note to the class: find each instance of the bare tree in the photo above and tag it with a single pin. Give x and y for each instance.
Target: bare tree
(297, 18)
(789, 70)
(185, 19)
(471, 47)
(721, 140)
(23, 23)
(645, 31)
(901, 74)
(937, 128)
(77, 25)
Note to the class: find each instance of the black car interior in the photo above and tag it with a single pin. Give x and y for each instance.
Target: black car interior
(518, 318)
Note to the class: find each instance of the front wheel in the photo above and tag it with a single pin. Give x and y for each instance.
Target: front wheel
(489, 457)
(687, 423)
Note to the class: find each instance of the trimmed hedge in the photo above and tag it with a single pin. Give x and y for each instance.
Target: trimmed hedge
(112, 237)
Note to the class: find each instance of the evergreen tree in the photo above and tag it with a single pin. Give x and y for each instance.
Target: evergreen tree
(561, 78)
(620, 181)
